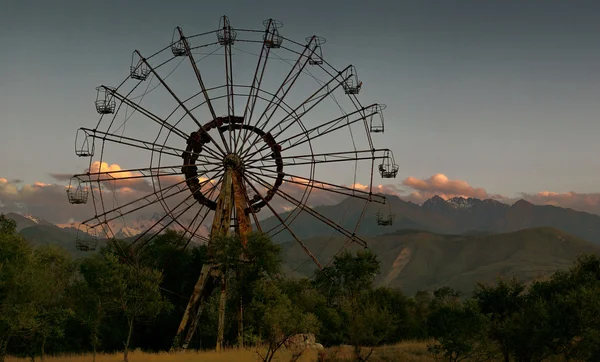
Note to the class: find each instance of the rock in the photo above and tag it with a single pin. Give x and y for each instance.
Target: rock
(300, 341)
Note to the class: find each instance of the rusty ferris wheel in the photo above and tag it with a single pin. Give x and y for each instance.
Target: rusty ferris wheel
(232, 143)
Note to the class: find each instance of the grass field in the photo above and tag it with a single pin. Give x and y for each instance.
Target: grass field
(405, 351)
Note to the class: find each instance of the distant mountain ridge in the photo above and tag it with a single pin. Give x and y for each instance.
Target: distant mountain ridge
(457, 215)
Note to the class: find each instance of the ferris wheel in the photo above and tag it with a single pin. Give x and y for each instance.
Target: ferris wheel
(217, 132)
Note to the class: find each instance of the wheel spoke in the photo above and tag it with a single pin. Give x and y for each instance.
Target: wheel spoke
(188, 51)
(210, 194)
(320, 130)
(194, 233)
(285, 225)
(227, 38)
(145, 145)
(181, 104)
(149, 199)
(163, 227)
(145, 112)
(326, 186)
(327, 157)
(255, 87)
(136, 173)
(311, 102)
(283, 90)
(316, 214)
(325, 128)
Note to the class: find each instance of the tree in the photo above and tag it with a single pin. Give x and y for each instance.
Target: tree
(349, 276)
(572, 311)
(55, 271)
(137, 294)
(281, 318)
(109, 286)
(459, 328)
(19, 286)
(180, 269)
(500, 302)
(243, 268)
(92, 296)
(7, 226)
(367, 325)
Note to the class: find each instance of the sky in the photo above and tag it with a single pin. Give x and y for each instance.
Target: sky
(485, 99)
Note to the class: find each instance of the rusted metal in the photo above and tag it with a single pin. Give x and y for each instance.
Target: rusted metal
(239, 193)
(204, 286)
(221, 323)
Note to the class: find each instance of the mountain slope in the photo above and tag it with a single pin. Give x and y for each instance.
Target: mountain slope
(416, 260)
(50, 234)
(26, 220)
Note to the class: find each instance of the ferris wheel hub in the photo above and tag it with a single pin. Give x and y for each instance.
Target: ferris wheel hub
(234, 162)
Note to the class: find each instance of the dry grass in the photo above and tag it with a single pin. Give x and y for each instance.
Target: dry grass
(409, 351)
(247, 355)
(405, 351)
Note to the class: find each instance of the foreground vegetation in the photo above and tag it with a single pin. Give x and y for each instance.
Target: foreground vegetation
(51, 304)
(406, 352)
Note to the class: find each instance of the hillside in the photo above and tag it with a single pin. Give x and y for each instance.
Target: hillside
(26, 220)
(414, 260)
(50, 234)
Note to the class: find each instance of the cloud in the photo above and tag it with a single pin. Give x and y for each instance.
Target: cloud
(419, 190)
(112, 176)
(588, 202)
(119, 187)
(49, 201)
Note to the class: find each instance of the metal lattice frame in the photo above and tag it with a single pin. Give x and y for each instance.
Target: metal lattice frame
(284, 121)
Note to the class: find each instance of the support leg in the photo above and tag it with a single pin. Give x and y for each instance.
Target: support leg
(191, 309)
(222, 300)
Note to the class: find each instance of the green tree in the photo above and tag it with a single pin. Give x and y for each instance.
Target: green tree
(366, 326)
(19, 287)
(458, 327)
(180, 268)
(93, 295)
(7, 226)
(500, 302)
(348, 277)
(244, 269)
(137, 294)
(571, 304)
(112, 286)
(353, 312)
(281, 318)
(55, 272)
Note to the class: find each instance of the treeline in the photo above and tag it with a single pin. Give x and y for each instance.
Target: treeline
(53, 304)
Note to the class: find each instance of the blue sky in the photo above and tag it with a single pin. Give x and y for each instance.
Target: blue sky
(500, 94)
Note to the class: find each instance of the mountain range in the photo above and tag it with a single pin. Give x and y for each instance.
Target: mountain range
(454, 242)
(454, 216)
